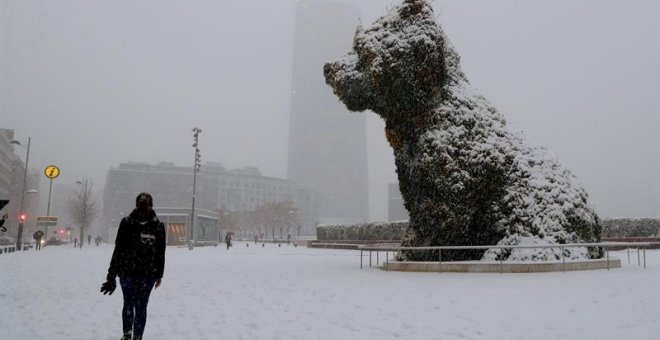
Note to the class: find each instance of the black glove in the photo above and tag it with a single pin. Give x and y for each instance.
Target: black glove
(108, 287)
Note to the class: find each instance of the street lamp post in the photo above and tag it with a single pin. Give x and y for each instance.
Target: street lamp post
(225, 225)
(83, 189)
(197, 166)
(22, 216)
(26, 230)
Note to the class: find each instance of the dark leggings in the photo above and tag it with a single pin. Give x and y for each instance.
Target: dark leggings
(136, 297)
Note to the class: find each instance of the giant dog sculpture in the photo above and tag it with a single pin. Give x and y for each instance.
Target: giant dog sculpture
(465, 178)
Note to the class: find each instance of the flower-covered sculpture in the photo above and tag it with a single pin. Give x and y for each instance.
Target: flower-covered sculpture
(465, 178)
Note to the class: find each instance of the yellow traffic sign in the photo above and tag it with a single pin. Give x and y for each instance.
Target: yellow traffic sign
(52, 171)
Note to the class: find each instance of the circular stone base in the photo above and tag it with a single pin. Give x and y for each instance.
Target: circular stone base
(497, 267)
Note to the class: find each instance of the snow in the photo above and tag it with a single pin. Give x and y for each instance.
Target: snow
(299, 293)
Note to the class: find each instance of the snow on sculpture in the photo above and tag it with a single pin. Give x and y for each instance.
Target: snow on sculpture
(465, 178)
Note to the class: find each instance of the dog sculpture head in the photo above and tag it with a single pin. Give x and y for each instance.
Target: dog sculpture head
(397, 66)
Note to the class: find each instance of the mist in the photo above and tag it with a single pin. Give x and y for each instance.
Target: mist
(95, 84)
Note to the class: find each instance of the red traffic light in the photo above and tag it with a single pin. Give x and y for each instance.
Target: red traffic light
(22, 217)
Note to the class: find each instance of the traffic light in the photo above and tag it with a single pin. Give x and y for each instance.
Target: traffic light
(22, 217)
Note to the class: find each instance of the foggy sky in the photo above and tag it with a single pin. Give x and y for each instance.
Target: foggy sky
(96, 83)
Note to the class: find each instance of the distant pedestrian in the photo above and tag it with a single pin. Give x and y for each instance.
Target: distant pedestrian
(288, 238)
(89, 240)
(38, 236)
(228, 240)
(256, 238)
(75, 242)
(138, 260)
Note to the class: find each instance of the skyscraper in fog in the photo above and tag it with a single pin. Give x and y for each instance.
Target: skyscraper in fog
(327, 143)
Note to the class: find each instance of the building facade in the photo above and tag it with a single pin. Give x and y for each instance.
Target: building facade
(396, 211)
(218, 190)
(12, 171)
(327, 143)
(7, 158)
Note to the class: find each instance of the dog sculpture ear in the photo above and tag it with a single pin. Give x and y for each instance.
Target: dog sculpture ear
(403, 68)
(412, 8)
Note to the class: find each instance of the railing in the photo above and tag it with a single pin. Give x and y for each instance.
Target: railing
(606, 246)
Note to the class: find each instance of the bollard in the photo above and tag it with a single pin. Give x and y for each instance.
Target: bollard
(360, 258)
(628, 250)
(369, 258)
(377, 263)
(644, 250)
(607, 252)
(387, 261)
(563, 259)
(638, 263)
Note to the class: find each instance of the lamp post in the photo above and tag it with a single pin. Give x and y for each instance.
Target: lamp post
(83, 189)
(224, 225)
(22, 215)
(198, 159)
(27, 231)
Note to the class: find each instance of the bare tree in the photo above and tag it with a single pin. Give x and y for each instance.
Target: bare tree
(275, 215)
(82, 206)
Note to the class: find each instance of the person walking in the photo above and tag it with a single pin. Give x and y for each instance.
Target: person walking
(75, 242)
(89, 240)
(139, 261)
(228, 240)
(38, 235)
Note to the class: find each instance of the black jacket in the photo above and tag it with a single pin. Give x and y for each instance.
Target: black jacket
(139, 247)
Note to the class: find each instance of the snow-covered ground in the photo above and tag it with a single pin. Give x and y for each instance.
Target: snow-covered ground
(298, 293)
